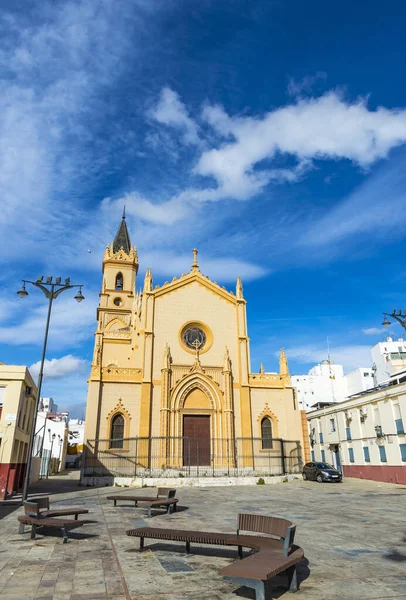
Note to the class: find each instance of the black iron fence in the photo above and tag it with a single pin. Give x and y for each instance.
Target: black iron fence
(190, 457)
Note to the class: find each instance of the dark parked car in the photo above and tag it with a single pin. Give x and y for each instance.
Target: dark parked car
(321, 471)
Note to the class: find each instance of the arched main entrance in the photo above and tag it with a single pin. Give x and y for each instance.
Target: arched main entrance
(194, 422)
(196, 429)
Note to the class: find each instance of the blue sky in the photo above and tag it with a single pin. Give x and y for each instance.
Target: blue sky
(270, 135)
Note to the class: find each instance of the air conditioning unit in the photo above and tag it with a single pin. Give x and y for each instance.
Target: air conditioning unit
(378, 431)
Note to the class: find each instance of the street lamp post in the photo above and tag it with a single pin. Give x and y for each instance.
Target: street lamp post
(399, 316)
(50, 456)
(60, 454)
(51, 289)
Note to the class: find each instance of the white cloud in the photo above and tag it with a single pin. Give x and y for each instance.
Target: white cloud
(71, 323)
(326, 127)
(54, 60)
(171, 111)
(351, 356)
(314, 128)
(373, 331)
(57, 368)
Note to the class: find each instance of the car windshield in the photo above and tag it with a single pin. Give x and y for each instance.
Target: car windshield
(324, 466)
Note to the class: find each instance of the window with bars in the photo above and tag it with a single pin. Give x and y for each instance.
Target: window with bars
(117, 431)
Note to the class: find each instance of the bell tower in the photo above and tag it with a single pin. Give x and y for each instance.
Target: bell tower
(120, 267)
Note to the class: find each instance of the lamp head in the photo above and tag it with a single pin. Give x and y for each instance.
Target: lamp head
(23, 292)
(386, 323)
(79, 296)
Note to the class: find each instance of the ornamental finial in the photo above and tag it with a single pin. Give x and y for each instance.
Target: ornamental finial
(195, 265)
(238, 290)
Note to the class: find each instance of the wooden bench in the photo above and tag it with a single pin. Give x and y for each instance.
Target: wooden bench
(35, 518)
(274, 549)
(40, 508)
(164, 497)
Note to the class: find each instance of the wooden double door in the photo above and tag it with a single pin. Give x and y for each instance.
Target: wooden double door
(196, 440)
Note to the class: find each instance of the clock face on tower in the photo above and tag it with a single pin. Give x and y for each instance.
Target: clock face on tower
(194, 338)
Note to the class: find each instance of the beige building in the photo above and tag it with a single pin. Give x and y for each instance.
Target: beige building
(171, 367)
(17, 404)
(364, 435)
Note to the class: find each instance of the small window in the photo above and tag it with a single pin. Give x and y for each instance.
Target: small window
(348, 433)
(321, 437)
(117, 432)
(332, 425)
(382, 453)
(351, 454)
(313, 457)
(366, 374)
(118, 301)
(399, 426)
(402, 448)
(366, 454)
(119, 281)
(266, 433)
(323, 456)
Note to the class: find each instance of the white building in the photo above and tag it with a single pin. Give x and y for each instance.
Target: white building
(75, 441)
(47, 405)
(324, 383)
(388, 357)
(365, 435)
(51, 441)
(359, 380)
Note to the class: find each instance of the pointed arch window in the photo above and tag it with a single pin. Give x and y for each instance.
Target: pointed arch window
(119, 281)
(117, 431)
(266, 433)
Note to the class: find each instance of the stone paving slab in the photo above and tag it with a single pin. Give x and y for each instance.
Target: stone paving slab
(353, 535)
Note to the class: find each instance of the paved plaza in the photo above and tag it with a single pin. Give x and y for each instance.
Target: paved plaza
(353, 535)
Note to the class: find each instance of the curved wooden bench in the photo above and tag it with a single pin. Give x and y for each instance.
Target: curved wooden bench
(33, 508)
(273, 555)
(62, 524)
(46, 518)
(165, 497)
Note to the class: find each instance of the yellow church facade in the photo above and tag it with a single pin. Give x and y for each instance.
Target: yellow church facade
(171, 370)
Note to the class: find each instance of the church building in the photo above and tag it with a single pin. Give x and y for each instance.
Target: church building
(172, 364)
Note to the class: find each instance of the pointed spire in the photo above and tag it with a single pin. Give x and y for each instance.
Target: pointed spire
(261, 368)
(148, 281)
(166, 364)
(195, 266)
(238, 291)
(283, 364)
(227, 361)
(122, 239)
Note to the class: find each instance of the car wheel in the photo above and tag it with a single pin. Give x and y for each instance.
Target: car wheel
(304, 476)
(319, 478)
